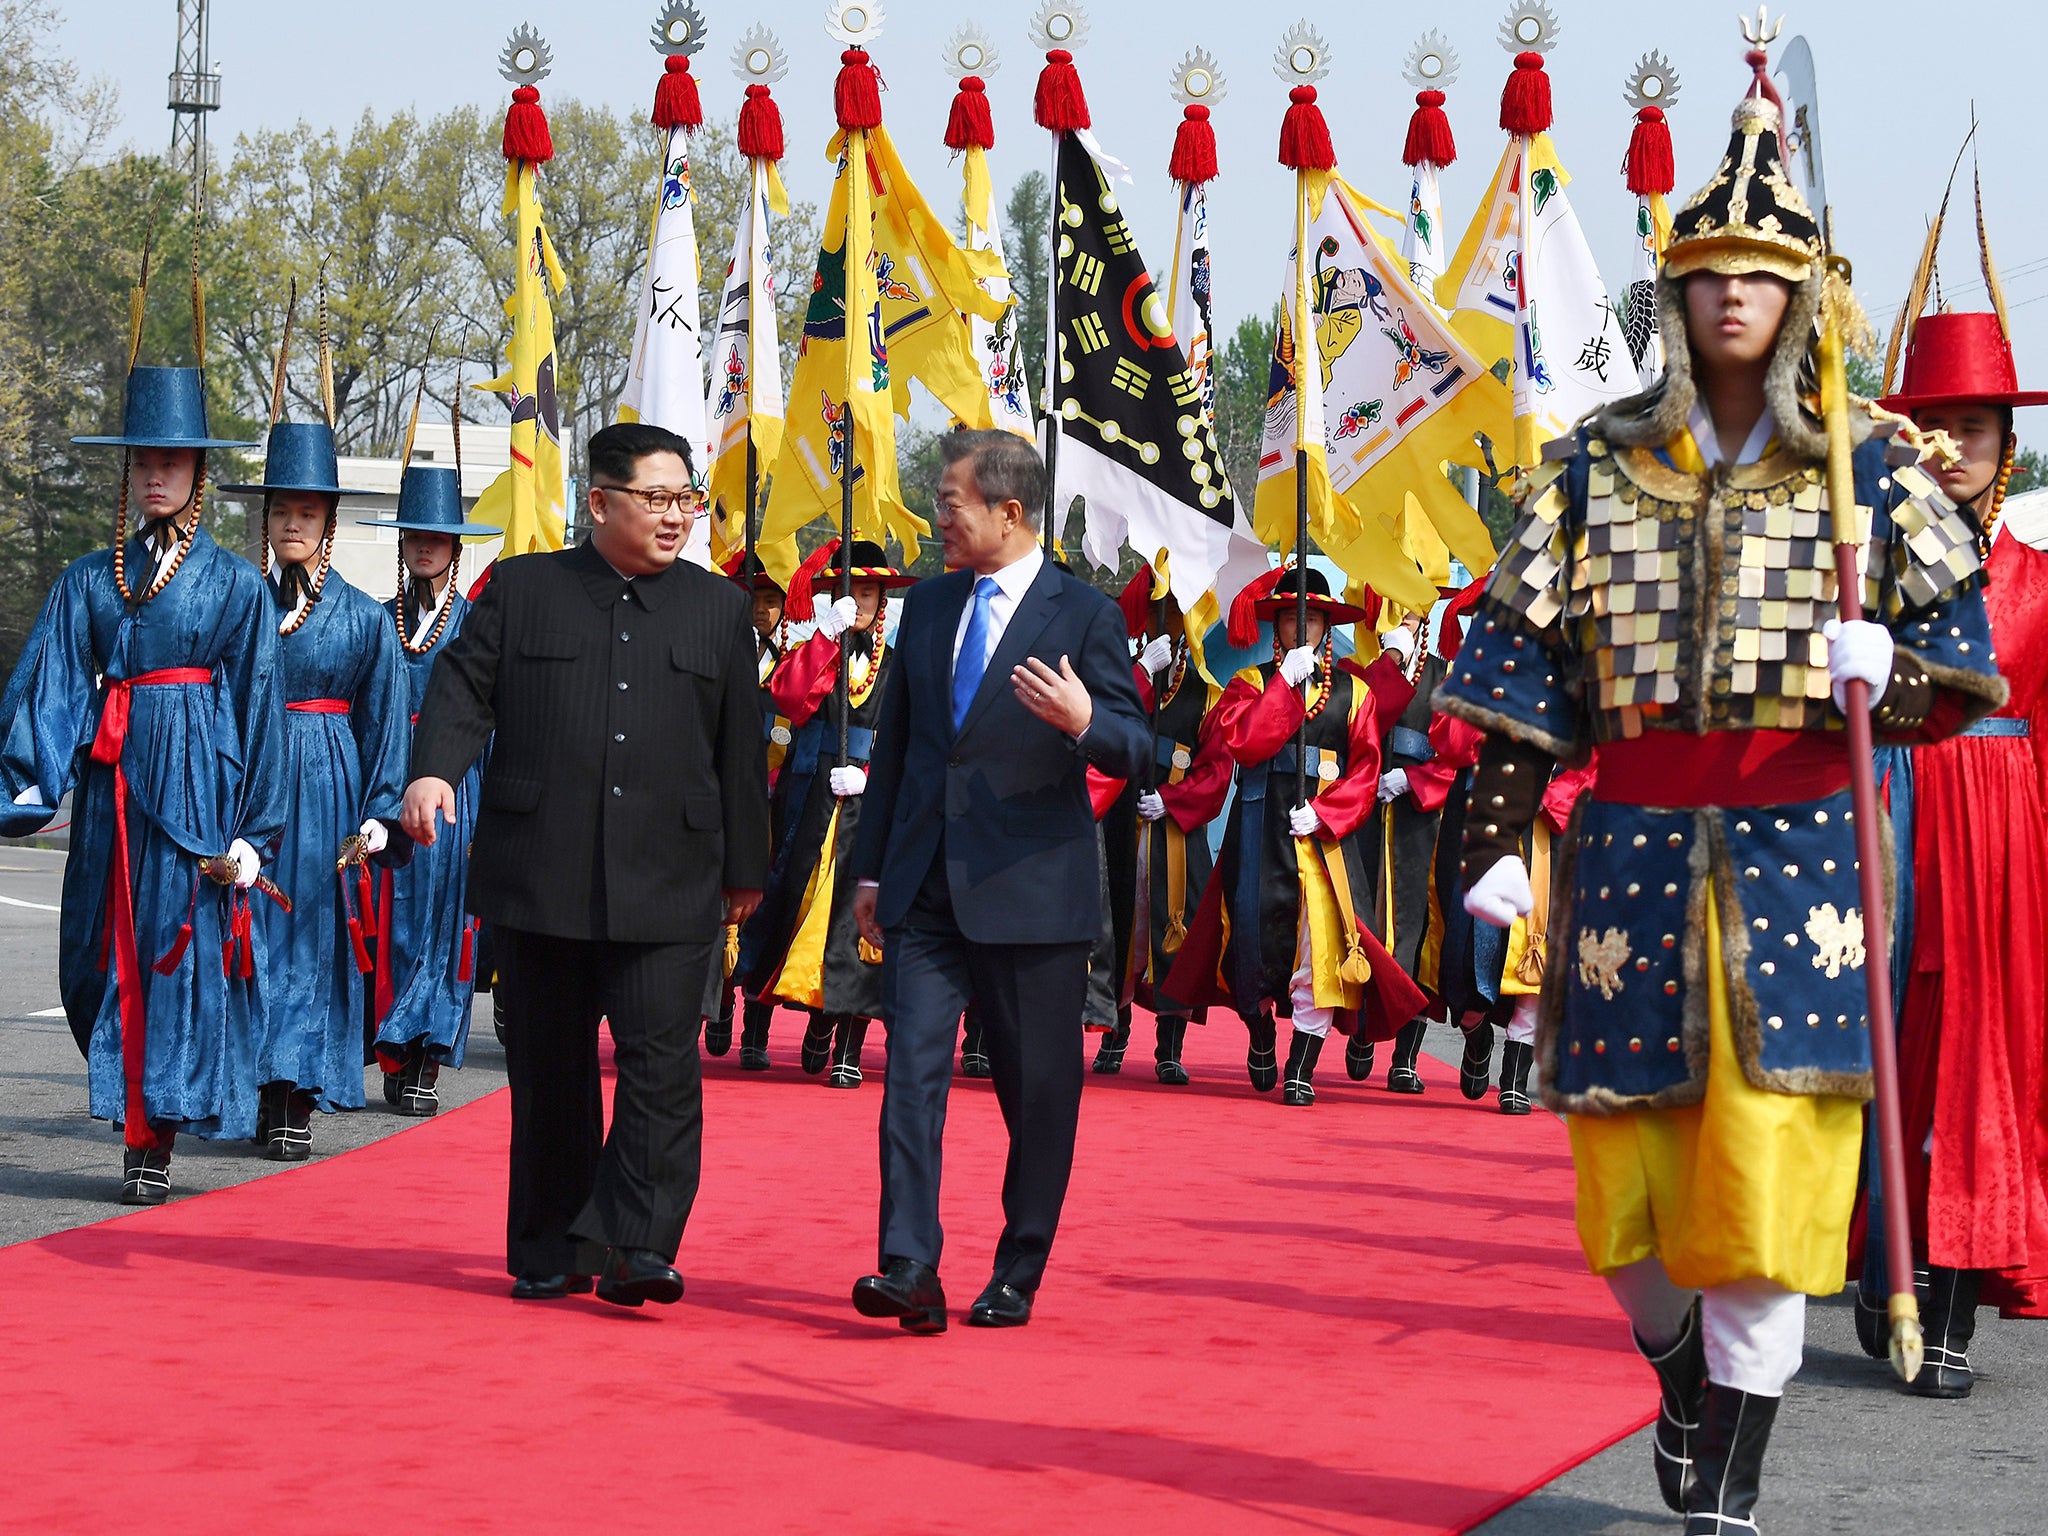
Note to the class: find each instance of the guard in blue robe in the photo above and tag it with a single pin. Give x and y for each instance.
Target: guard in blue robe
(343, 763)
(150, 690)
(425, 977)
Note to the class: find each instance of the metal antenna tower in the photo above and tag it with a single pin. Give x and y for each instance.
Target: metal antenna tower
(195, 91)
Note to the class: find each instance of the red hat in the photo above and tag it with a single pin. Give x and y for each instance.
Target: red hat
(1959, 359)
(1281, 598)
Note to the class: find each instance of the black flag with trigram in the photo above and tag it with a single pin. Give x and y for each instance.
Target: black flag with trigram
(1135, 438)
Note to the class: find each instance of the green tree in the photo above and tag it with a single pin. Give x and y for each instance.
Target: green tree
(1244, 369)
(1027, 222)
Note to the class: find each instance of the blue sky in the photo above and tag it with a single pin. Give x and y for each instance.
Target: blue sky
(1890, 133)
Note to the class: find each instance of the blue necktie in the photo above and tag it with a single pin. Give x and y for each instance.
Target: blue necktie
(973, 659)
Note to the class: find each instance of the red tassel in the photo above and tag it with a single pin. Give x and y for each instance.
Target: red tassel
(1243, 628)
(1450, 639)
(355, 942)
(1136, 598)
(1194, 147)
(169, 963)
(465, 968)
(1525, 101)
(675, 99)
(366, 903)
(244, 924)
(1649, 165)
(1304, 136)
(968, 125)
(760, 135)
(1429, 133)
(857, 96)
(1060, 105)
(798, 605)
(526, 128)
(227, 955)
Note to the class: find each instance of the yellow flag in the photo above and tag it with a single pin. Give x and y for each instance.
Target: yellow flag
(529, 499)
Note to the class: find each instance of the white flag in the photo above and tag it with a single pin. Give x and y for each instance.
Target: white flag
(1188, 298)
(1571, 356)
(665, 378)
(1422, 236)
(745, 397)
(1639, 307)
(998, 346)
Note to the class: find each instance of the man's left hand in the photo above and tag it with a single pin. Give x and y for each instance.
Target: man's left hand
(1860, 651)
(1303, 821)
(739, 905)
(1059, 698)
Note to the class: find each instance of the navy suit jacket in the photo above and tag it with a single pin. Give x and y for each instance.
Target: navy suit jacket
(1007, 794)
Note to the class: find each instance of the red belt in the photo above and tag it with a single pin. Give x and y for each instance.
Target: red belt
(1675, 768)
(128, 983)
(318, 706)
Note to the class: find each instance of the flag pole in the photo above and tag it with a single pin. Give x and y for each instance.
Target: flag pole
(1052, 351)
(1060, 107)
(843, 685)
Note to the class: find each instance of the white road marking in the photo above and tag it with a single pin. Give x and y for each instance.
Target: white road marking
(48, 1013)
(33, 906)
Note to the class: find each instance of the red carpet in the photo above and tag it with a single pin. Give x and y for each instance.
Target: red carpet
(1366, 1316)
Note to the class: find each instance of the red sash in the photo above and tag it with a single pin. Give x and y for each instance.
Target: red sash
(128, 982)
(318, 706)
(1676, 768)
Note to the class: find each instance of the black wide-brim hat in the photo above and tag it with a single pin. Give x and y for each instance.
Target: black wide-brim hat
(1281, 599)
(164, 408)
(750, 573)
(430, 501)
(300, 457)
(870, 563)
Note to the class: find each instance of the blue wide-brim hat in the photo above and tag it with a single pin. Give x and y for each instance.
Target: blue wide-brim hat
(165, 408)
(430, 501)
(300, 457)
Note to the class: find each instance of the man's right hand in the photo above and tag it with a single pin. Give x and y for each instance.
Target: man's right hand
(839, 618)
(864, 899)
(1502, 894)
(1297, 664)
(423, 797)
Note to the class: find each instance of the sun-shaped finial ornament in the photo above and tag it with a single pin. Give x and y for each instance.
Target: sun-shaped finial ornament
(679, 29)
(1059, 24)
(527, 59)
(1432, 64)
(1652, 83)
(1197, 81)
(1303, 57)
(1762, 32)
(969, 52)
(757, 58)
(855, 23)
(1530, 28)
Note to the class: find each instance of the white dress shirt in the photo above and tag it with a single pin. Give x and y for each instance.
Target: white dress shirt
(428, 615)
(1012, 582)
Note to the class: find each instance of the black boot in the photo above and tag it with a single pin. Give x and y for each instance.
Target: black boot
(1728, 1461)
(1358, 1054)
(1682, 1397)
(718, 1031)
(1948, 1315)
(394, 1082)
(1402, 1076)
(1301, 1068)
(973, 1052)
(1109, 1056)
(1173, 1034)
(817, 1047)
(1259, 1060)
(284, 1123)
(498, 1014)
(754, 1037)
(417, 1096)
(1516, 1057)
(846, 1046)
(1476, 1067)
(146, 1174)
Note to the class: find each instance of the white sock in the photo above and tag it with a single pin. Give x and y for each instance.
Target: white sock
(1656, 1308)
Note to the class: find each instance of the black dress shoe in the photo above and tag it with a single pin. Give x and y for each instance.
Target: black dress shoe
(635, 1276)
(1000, 1306)
(905, 1290)
(549, 1287)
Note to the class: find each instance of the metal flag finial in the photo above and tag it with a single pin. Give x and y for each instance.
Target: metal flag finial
(1303, 57)
(527, 59)
(969, 52)
(1530, 28)
(855, 23)
(1431, 64)
(1652, 83)
(757, 57)
(680, 29)
(1059, 24)
(1197, 81)
(1761, 31)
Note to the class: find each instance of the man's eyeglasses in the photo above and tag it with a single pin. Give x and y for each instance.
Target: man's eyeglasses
(659, 500)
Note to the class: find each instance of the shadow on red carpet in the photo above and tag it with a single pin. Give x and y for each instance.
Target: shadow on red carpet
(1369, 1316)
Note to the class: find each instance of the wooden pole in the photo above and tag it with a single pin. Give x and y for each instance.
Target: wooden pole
(1052, 351)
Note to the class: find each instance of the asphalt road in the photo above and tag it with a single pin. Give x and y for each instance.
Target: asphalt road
(1851, 1453)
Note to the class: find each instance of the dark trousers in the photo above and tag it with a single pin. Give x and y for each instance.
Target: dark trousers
(1028, 998)
(574, 1190)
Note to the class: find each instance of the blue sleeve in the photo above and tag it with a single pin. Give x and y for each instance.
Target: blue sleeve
(46, 708)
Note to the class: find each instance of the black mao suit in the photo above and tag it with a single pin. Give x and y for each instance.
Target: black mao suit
(625, 791)
(984, 843)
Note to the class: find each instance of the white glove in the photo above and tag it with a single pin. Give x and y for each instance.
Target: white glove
(1393, 784)
(1400, 642)
(1501, 894)
(1157, 655)
(1150, 806)
(33, 795)
(848, 781)
(375, 838)
(1860, 650)
(1296, 666)
(247, 865)
(1302, 821)
(838, 619)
